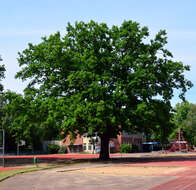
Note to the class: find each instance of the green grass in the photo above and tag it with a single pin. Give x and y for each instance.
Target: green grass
(10, 173)
(84, 153)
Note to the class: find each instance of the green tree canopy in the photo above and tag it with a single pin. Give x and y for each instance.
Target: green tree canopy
(2, 74)
(181, 112)
(26, 118)
(185, 118)
(2, 101)
(189, 125)
(161, 123)
(103, 80)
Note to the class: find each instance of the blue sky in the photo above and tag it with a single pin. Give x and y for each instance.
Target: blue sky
(27, 21)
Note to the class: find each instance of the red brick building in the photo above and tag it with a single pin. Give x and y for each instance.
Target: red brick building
(81, 143)
(76, 146)
(126, 138)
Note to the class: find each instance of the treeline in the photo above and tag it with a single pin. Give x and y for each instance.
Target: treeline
(36, 120)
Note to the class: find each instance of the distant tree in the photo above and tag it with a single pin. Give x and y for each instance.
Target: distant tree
(185, 118)
(2, 101)
(181, 112)
(162, 123)
(2, 75)
(5, 123)
(104, 80)
(25, 119)
(189, 125)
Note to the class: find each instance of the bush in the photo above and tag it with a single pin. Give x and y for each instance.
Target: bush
(125, 148)
(135, 148)
(53, 148)
(62, 150)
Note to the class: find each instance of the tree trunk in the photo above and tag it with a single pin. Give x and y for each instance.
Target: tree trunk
(104, 154)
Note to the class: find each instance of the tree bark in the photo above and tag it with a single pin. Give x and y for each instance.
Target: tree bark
(104, 154)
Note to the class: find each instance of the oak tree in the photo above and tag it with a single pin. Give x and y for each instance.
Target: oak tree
(103, 80)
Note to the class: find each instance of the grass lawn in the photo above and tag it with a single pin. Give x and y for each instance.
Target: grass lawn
(9, 173)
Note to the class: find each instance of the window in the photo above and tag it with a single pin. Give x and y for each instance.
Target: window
(89, 146)
(77, 148)
(84, 146)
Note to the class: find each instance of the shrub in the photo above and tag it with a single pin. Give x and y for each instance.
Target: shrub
(62, 150)
(125, 148)
(53, 148)
(135, 148)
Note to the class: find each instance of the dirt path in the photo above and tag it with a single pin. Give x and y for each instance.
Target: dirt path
(75, 177)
